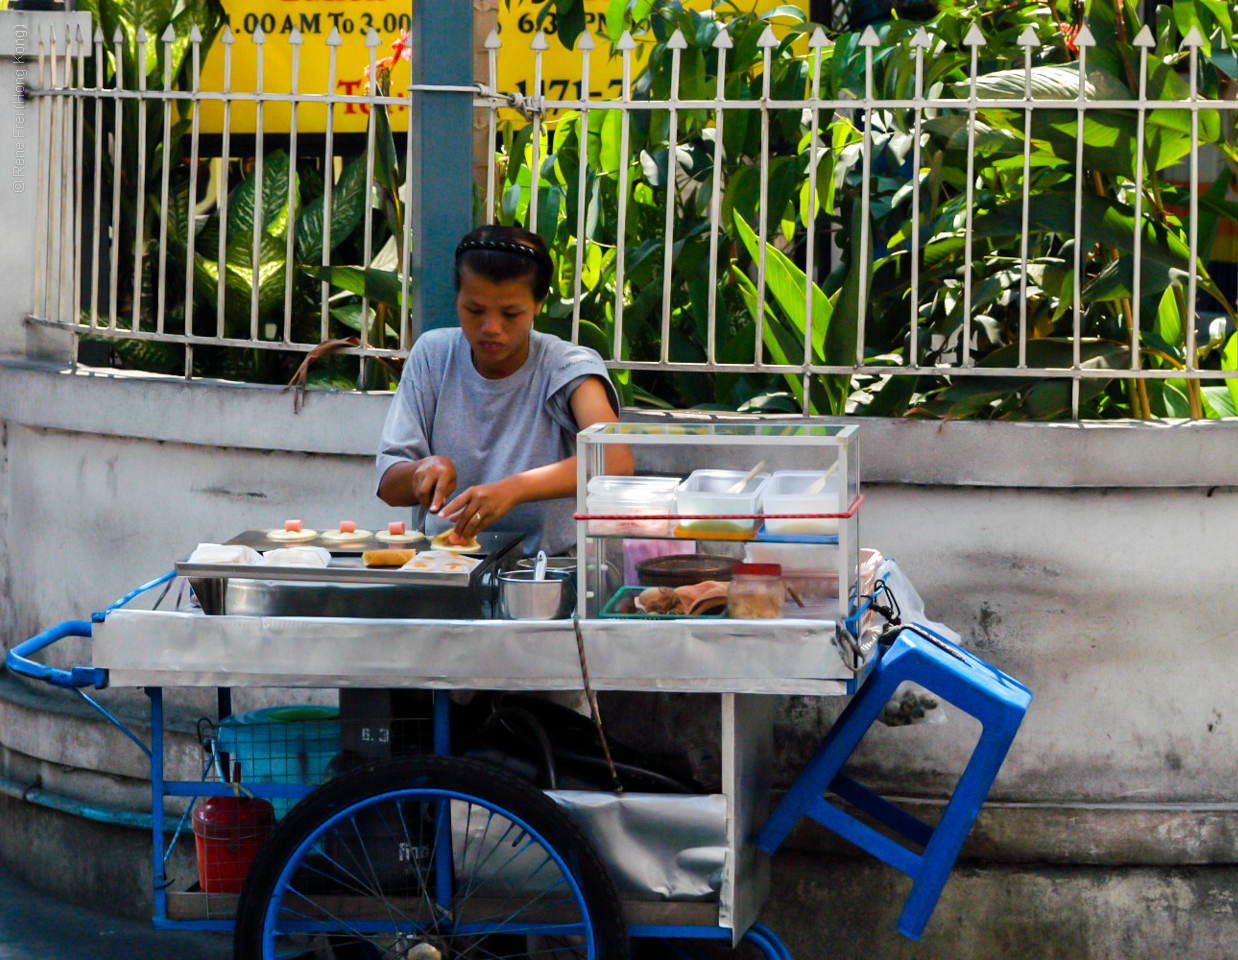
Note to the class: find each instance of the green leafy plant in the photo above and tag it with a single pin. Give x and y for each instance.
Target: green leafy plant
(882, 273)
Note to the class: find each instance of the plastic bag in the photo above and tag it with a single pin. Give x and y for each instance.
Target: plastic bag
(912, 704)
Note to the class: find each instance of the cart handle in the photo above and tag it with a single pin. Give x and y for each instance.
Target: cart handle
(18, 659)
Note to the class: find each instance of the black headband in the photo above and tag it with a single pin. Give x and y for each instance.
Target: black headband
(500, 246)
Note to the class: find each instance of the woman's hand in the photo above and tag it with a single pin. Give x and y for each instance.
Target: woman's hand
(433, 480)
(478, 507)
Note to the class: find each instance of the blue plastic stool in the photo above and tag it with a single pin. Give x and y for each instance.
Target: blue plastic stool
(995, 699)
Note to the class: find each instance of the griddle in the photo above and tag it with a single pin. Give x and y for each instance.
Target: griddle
(346, 587)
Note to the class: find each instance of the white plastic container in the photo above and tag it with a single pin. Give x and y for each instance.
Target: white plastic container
(794, 558)
(704, 492)
(785, 494)
(634, 498)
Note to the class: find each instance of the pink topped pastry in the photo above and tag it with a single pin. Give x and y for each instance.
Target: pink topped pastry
(348, 531)
(293, 530)
(397, 533)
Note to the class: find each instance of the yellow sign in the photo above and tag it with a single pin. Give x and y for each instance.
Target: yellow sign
(315, 19)
(561, 68)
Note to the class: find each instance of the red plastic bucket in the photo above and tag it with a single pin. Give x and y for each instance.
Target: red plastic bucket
(228, 832)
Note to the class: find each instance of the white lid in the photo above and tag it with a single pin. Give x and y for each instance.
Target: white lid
(620, 487)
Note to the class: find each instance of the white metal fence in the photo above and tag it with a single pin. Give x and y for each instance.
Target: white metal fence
(65, 106)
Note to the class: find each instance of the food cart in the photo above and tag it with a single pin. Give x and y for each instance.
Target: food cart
(399, 846)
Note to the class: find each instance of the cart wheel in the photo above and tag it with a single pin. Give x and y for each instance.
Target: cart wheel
(429, 858)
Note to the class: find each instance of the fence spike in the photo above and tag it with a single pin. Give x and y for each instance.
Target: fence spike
(493, 42)
(78, 36)
(258, 36)
(820, 40)
(195, 35)
(723, 40)
(1084, 37)
(1028, 37)
(118, 36)
(974, 37)
(99, 38)
(295, 37)
(333, 38)
(626, 42)
(539, 41)
(769, 40)
(1194, 38)
(921, 39)
(1144, 38)
(169, 35)
(226, 36)
(585, 41)
(679, 42)
(373, 39)
(140, 36)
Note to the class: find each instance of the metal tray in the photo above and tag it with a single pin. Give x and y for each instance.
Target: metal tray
(346, 587)
(341, 570)
(490, 541)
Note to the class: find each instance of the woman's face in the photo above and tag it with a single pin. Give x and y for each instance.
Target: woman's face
(497, 318)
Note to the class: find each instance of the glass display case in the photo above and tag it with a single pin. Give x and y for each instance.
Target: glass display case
(759, 493)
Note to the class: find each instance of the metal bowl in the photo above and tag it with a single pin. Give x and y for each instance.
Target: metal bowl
(523, 598)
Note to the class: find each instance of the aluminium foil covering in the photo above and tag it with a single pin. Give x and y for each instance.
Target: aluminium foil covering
(153, 648)
(657, 846)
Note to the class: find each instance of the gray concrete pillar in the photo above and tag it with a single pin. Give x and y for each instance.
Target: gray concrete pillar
(21, 163)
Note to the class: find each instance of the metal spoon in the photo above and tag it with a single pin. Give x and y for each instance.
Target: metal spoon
(539, 569)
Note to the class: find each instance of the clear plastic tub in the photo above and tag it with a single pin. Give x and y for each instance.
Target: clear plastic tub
(785, 494)
(704, 492)
(794, 558)
(631, 498)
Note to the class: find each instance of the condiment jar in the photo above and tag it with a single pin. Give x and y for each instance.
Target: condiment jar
(756, 592)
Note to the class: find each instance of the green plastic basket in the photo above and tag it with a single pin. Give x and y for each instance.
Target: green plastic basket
(608, 611)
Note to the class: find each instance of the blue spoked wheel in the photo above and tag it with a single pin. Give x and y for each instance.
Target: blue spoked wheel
(428, 858)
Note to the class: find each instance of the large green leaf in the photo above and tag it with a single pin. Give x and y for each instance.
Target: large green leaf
(773, 337)
(1116, 281)
(1229, 361)
(1168, 321)
(788, 284)
(350, 199)
(274, 200)
(605, 141)
(382, 286)
(1104, 221)
(841, 336)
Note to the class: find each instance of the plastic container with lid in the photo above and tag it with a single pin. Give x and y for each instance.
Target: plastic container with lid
(290, 744)
(705, 492)
(785, 494)
(756, 592)
(631, 498)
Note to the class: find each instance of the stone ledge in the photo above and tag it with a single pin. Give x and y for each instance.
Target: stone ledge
(1058, 454)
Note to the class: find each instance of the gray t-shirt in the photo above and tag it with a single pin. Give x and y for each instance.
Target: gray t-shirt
(492, 429)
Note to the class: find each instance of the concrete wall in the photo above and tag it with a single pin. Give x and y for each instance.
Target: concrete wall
(1091, 561)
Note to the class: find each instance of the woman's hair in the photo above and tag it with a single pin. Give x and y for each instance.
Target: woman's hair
(497, 253)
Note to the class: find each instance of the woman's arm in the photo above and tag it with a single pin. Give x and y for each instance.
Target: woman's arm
(478, 507)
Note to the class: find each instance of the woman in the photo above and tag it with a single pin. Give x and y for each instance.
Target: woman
(493, 406)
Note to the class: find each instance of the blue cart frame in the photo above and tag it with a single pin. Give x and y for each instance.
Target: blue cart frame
(910, 651)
